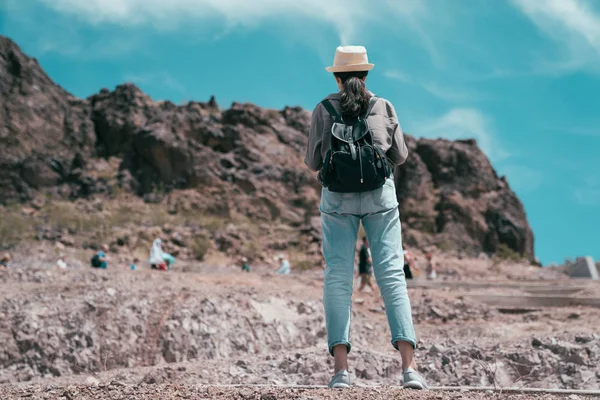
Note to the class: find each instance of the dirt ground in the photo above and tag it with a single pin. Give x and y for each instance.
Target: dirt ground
(120, 334)
(166, 392)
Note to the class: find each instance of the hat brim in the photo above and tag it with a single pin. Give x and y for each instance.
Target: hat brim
(350, 68)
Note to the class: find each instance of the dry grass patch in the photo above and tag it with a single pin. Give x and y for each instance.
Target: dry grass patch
(300, 261)
(15, 226)
(505, 253)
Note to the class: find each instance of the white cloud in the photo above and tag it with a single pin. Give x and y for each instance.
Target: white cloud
(464, 123)
(405, 7)
(156, 80)
(590, 131)
(55, 35)
(448, 93)
(587, 196)
(397, 75)
(575, 24)
(347, 17)
(587, 193)
(443, 92)
(522, 178)
(75, 46)
(593, 132)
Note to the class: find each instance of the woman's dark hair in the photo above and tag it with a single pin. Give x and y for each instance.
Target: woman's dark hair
(355, 97)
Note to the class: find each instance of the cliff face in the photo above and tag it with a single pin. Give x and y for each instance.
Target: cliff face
(450, 191)
(244, 159)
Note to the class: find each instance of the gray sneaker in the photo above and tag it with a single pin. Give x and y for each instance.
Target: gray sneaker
(341, 380)
(414, 380)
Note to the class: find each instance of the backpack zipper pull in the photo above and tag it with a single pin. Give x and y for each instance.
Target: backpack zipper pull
(362, 180)
(352, 148)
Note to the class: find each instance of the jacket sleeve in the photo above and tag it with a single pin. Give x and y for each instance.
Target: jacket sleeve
(398, 153)
(313, 158)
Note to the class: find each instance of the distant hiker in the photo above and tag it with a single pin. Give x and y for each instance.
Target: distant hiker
(159, 259)
(5, 260)
(365, 266)
(409, 263)
(100, 259)
(61, 262)
(354, 142)
(284, 265)
(133, 264)
(430, 266)
(245, 265)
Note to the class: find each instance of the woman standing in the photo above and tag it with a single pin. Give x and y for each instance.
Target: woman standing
(338, 123)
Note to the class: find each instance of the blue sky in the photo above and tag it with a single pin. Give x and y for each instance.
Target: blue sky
(520, 76)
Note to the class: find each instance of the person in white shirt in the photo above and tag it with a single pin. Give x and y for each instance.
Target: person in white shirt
(61, 263)
(284, 268)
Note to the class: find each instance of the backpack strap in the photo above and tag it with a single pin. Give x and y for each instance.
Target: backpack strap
(372, 102)
(332, 111)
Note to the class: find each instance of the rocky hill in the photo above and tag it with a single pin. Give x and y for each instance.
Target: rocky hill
(244, 161)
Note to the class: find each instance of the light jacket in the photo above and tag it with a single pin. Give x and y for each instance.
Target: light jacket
(383, 122)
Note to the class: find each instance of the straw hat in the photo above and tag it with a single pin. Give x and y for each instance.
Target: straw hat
(5, 257)
(350, 59)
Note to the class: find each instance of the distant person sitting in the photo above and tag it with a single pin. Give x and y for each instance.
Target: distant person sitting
(159, 259)
(365, 266)
(245, 265)
(62, 262)
(284, 266)
(169, 260)
(133, 264)
(156, 259)
(100, 259)
(5, 260)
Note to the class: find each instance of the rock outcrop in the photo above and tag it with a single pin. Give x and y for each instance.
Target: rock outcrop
(245, 159)
(449, 189)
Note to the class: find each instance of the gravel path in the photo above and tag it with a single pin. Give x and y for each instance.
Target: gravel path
(119, 391)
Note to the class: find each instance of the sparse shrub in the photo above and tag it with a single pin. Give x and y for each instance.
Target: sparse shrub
(303, 265)
(159, 216)
(446, 245)
(14, 227)
(199, 246)
(507, 254)
(64, 216)
(211, 223)
(428, 226)
(300, 261)
(122, 216)
(253, 250)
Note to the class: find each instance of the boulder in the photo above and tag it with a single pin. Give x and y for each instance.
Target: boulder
(583, 267)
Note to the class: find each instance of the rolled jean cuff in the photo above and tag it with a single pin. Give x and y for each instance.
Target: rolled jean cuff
(403, 339)
(332, 345)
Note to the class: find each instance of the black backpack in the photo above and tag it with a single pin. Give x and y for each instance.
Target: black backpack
(353, 163)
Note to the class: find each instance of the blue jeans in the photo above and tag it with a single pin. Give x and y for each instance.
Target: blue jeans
(340, 217)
